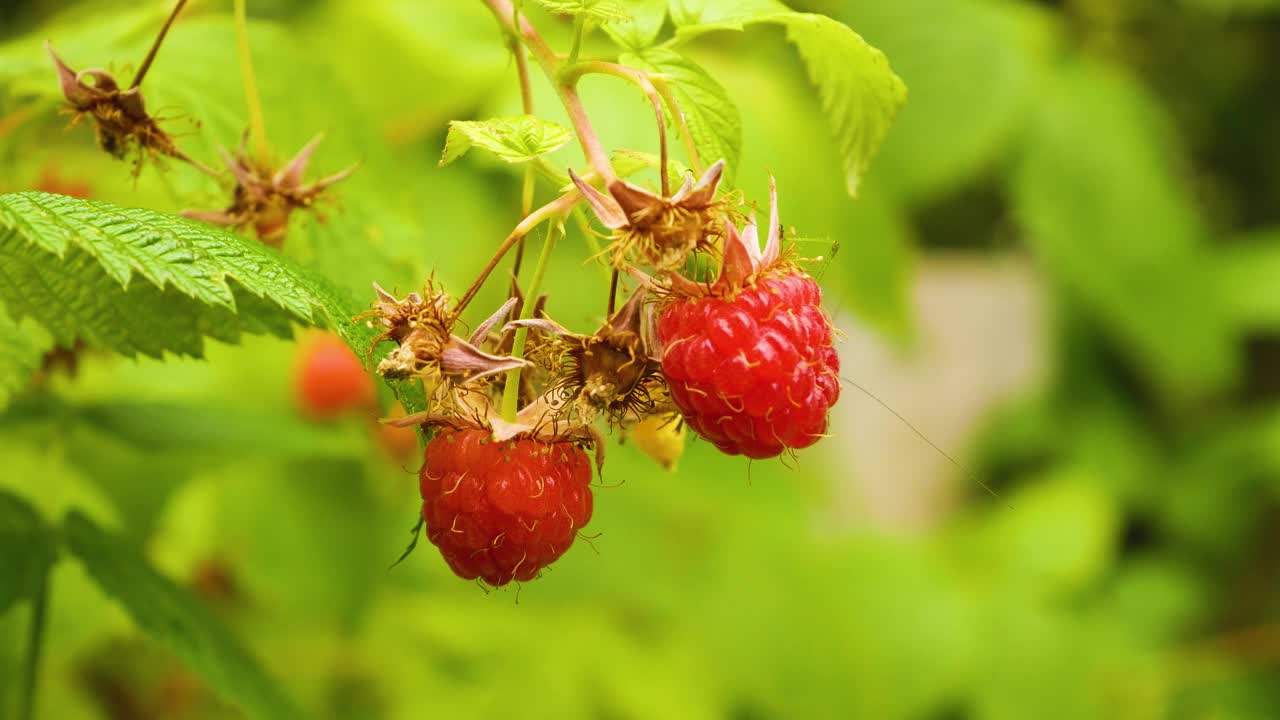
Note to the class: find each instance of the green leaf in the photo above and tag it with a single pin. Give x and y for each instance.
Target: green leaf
(1117, 230)
(939, 49)
(696, 16)
(22, 347)
(597, 10)
(642, 25)
(1247, 272)
(711, 115)
(517, 139)
(860, 93)
(176, 618)
(28, 550)
(138, 281)
(217, 431)
(1058, 534)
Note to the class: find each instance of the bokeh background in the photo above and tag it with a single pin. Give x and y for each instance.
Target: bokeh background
(1063, 269)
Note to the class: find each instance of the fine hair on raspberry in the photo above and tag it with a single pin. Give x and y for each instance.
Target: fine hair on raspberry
(755, 374)
(503, 510)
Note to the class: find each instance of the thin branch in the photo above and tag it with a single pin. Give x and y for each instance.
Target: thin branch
(642, 80)
(551, 66)
(155, 46)
(559, 206)
(257, 123)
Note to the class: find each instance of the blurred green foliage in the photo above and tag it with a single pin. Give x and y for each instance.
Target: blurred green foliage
(1127, 569)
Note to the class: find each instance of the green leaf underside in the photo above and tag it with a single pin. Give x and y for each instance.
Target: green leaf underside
(142, 282)
(860, 93)
(641, 27)
(176, 618)
(139, 281)
(517, 139)
(597, 10)
(712, 117)
(30, 551)
(215, 431)
(22, 348)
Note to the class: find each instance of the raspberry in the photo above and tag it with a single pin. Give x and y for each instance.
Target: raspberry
(503, 510)
(755, 374)
(329, 379)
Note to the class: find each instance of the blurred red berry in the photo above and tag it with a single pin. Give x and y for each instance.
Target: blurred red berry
(398, 442)
(51, 182)
(755, 374)
(329, 380)
(503, 510)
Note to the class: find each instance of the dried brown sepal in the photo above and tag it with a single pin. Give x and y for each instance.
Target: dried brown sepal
(657, 230)
(538, 420)
(612, 372)
(264, 198)
(422, 325)
(743, 261)
(120, 116)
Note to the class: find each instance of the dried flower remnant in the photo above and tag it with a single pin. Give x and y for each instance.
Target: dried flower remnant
(121, 116)
(422, 324)
(611, 372)
(265, 198)
(661, 231)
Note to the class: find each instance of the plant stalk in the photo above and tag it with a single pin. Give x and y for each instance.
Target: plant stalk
(511, 392)
(559, 206)
(258, 126)
(645, 82)
(551, 65)
(155, 46)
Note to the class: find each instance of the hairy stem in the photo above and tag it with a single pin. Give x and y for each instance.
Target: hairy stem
(551, 66)
(511, 392)
(559, 206)
(258, 126)
(35, 648)
(641, 79)
(660, 84)
(526, 104)
(155, 46)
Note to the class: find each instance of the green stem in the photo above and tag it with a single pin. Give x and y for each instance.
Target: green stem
(258, 126)
(593, 244)
(511, 393)
(559, 206)
(526, 206)
(592, 149)
(35, 647)
(579, 24)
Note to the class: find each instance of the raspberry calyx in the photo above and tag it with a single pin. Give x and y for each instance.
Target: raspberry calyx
(750, 361)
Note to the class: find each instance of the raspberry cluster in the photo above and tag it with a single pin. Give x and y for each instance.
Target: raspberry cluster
(746, 361)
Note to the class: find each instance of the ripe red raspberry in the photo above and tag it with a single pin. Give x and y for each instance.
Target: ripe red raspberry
(329, 379)
(503, 510)
(755, 374)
